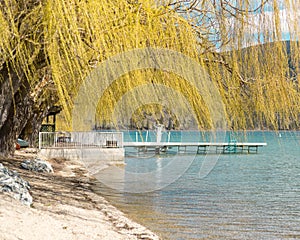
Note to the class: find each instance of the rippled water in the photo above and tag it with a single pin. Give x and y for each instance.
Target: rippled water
(245, 196)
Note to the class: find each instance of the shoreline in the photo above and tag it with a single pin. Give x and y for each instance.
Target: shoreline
(64, 207)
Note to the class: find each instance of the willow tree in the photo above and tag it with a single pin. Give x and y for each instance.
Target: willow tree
(254, 45)
(26, 86)
(49, 47)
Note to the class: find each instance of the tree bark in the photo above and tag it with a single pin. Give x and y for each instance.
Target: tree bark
(31, 130)
(20, 107)
(14, 109)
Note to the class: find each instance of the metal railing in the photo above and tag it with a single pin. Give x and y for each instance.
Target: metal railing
(80, 140)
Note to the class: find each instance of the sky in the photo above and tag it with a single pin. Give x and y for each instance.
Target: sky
(261, 24)
(289, 20)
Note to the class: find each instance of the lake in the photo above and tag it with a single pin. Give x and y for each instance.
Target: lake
(244, 196)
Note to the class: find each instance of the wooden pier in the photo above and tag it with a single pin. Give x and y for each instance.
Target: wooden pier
(202, 147)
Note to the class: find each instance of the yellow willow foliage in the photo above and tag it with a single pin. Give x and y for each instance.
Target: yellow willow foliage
(84, 34)
(158, 79)
(256, 85)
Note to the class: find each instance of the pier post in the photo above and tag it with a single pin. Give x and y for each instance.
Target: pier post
(159, 129)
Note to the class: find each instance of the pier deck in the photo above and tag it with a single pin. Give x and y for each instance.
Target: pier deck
(202, 147)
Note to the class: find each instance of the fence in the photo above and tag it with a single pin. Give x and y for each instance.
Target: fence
(80, 140)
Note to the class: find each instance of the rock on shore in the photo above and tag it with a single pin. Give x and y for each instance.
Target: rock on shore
(37, 165)
(12, 184)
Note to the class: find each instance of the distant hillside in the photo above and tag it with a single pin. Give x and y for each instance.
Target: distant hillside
(143, 119)
(267, 49)
(271, 55)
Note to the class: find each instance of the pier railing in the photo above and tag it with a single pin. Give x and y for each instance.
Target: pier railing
(80, 140)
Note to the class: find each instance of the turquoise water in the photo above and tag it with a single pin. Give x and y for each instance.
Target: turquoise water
(245, 196)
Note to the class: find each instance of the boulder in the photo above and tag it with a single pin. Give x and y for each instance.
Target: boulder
(12, 184)
(37, 165)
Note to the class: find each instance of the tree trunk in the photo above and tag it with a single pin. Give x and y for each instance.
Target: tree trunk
(31, 131)
(19, 109)
(16, 114)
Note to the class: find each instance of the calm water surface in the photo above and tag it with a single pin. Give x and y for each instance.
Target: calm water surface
(245, 196)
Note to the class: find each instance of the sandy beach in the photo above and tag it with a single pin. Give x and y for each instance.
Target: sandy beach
(64, 207)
